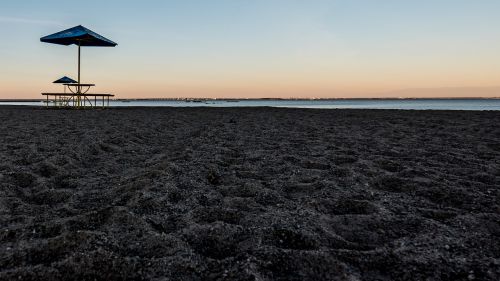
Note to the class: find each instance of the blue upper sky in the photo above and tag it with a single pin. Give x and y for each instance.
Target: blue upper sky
(255, 48)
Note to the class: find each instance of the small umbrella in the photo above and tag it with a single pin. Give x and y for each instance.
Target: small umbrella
(79, 36)
(64, 80)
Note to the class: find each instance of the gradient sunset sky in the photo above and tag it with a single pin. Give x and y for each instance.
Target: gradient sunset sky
(258, 48)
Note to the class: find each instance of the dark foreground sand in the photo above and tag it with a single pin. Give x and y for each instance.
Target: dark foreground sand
(249, 194)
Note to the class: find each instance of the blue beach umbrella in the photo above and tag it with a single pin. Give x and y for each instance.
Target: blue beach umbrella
(80, 36)
(64, 80)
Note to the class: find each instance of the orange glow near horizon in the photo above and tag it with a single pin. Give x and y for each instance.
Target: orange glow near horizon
(362, 81)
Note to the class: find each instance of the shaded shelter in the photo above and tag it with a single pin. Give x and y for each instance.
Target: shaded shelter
(82, 37)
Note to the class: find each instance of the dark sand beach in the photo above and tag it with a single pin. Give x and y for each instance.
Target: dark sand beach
(249, 194)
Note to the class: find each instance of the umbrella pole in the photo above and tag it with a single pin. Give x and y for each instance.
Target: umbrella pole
(79, 90)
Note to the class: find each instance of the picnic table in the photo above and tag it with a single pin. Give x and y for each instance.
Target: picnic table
(78, 87)
(77, 97)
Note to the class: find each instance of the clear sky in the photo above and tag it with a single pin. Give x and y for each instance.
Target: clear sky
(257, 48)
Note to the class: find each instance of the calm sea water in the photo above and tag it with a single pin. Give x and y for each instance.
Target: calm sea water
(410, 104)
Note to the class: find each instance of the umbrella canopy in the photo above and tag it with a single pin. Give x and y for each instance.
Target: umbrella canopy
(64, 80)
(80, 36)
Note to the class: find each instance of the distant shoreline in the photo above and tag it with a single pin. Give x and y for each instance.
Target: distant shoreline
(270, 99)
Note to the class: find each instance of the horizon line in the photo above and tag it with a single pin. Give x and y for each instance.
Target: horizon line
(319, 99)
